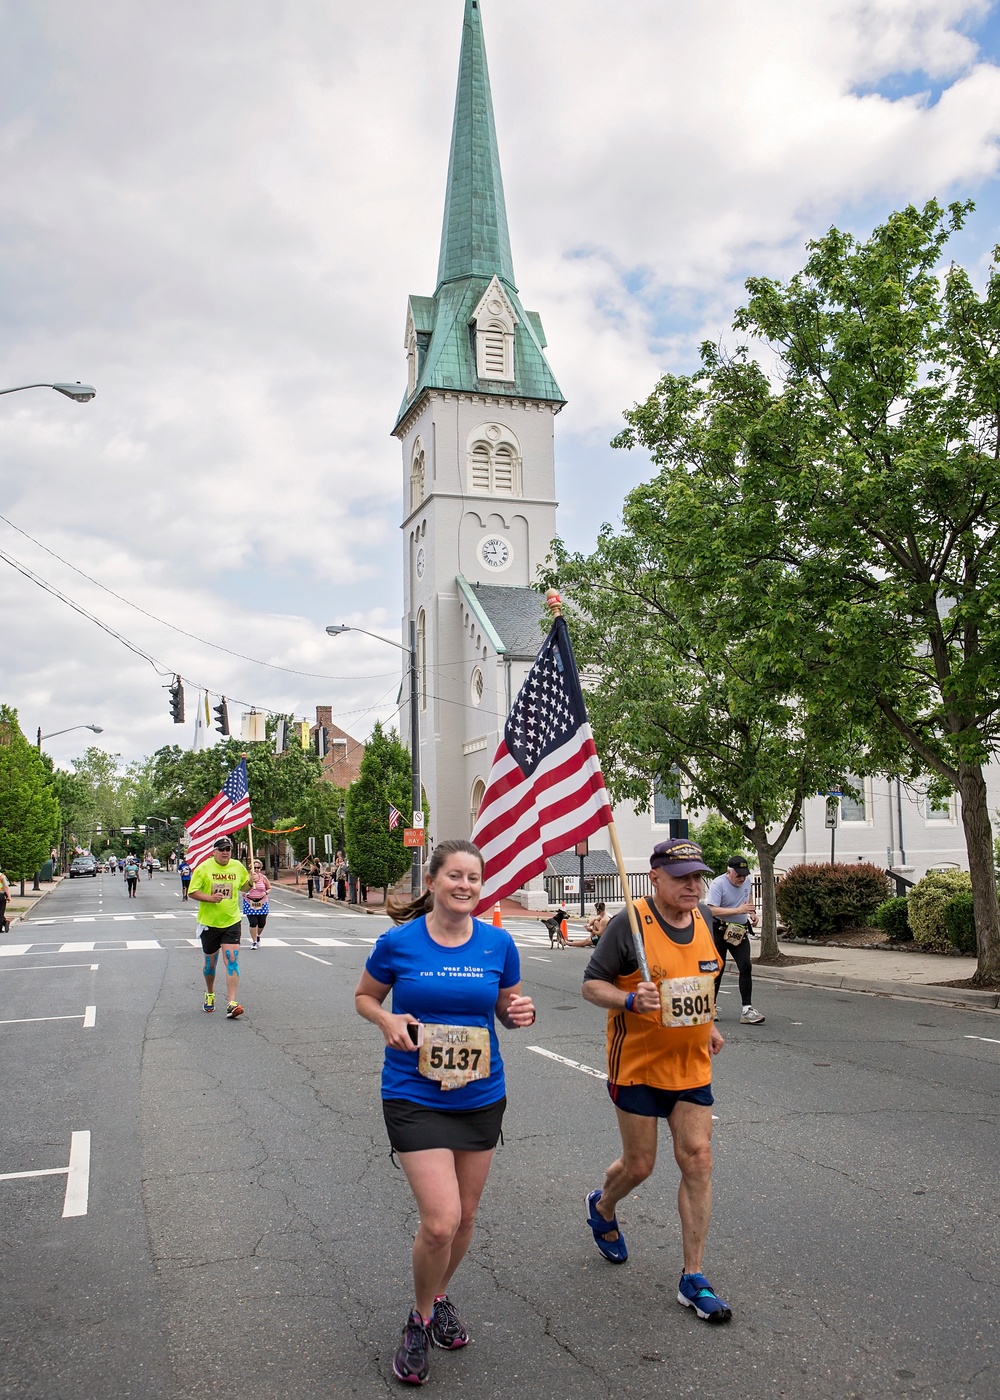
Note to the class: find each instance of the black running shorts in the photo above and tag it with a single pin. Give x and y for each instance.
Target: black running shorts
(413, 1127)
(212, 939)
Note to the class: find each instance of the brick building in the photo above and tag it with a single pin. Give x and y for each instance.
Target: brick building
(342, 763)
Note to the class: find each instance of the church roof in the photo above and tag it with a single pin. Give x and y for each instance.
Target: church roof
(474, 241)
(513, 616)
(475, 247)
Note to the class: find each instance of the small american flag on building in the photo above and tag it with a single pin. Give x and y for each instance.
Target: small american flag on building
(545, 790)
(227, 812)
(395, 817)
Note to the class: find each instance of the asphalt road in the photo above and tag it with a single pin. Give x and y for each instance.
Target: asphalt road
(246, 1234)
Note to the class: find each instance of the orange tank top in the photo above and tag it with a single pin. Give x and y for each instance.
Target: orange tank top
(641, 1049)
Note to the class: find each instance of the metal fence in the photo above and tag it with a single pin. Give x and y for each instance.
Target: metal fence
(606, 888)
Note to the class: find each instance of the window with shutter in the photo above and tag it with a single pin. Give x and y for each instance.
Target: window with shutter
(503, 471)
(480, 463)
(417, 472)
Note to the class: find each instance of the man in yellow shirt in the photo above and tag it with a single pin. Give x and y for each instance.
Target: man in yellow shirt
(661, 1039)
(216, 885)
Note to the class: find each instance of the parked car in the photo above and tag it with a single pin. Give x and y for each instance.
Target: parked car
(83, 865)
(156, 864)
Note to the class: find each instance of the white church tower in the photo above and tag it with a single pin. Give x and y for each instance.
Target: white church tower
(476, 430)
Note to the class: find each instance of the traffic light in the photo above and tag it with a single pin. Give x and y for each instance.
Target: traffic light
(177, 701)
(221, 712)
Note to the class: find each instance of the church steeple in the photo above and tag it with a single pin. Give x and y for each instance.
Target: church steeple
(474, 239)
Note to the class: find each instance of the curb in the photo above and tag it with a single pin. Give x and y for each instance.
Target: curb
(23, 918)
(955, 996)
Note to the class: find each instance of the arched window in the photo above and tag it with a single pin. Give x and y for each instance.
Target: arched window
(478, 686)
(494, 322)
(417, 476)
(494, 462)
(478, 793)
(422, 658)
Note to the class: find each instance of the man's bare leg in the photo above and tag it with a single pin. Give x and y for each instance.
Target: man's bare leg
(691, 1128)
(639, 1136)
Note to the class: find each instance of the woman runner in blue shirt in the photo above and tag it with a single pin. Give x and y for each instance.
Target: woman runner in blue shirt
(443, 1090)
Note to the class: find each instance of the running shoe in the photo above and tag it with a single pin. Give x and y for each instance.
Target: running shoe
(410, 1362)
(695, 1291)
(750, 1017)
(445, 1328)
(209, 1001)
(233, 1010)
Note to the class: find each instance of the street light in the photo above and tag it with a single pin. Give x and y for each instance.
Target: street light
(81, 393)
(94, 728)
(334, 631)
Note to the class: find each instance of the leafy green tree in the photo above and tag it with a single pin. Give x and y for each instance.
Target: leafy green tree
(29, 810)
(862, 481)
(719, 840)
(318, 813)
(681, 694)
(377, 855)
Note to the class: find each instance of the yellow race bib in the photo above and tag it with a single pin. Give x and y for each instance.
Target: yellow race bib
(687, 1001)
(454, 1055)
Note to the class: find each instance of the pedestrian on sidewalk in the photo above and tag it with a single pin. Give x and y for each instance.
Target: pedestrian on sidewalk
(730, 898)
(661, 1039)
(340, 875)
(4, 897)
(443, 1091)
(216, 885)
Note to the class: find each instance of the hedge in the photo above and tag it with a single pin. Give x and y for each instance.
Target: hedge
(927, 901)
(893, 916)
(816, 901)
(960, 922)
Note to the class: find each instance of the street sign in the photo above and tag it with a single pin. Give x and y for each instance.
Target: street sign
(418, 819)
(571, 887)
(413, 836)
(832, 813)
(582, 849)
(312, 845)
(328, 845)
(127, 830)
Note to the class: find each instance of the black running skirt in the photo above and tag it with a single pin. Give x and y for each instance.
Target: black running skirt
(413, 1127)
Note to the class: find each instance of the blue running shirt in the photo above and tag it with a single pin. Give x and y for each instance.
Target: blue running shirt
(449, 986)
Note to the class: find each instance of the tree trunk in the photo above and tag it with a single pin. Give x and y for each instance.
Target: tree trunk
(979, 846)
(768, 908)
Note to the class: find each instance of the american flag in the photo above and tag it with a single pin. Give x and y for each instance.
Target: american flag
(545, 790)
(227, 812)
(395, 817)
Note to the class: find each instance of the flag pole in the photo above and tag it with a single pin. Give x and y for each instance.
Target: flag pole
(555, 606)
(249, 834)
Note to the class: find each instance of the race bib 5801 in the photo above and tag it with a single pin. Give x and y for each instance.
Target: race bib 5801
(687, 1001)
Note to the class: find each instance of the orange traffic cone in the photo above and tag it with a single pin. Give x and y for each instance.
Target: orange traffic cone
(563, 930)
(497, 921)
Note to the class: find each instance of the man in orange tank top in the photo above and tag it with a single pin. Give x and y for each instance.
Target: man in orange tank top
(661, 1039)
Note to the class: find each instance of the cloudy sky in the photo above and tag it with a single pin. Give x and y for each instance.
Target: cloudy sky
(214, 212)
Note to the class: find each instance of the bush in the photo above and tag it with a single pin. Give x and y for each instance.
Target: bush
(960, 922)
(719, 840)
(926, 903)
(893, 916)
(816, 901)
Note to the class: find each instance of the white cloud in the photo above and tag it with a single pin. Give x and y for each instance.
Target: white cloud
(215, 213)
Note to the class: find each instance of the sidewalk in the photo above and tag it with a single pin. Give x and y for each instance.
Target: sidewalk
(19, 908)
(885, 972)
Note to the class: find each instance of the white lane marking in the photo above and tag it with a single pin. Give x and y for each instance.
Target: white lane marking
(311, 914)
(77, 1176)
(14, 950)
(52, 967)
(39, 922)
(989, 1040)
(86, 919)
(573, 1064)
(120, 918)
(135, 944)
(164, 916)
(533, 958)
(76, 948)
(195, 942)
(26, 1020)
(275, 914)
(273, 943)
(328, 943)
(313, 958)
(90, 1018)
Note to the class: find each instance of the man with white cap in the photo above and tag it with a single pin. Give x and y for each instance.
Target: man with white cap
(661, 1039)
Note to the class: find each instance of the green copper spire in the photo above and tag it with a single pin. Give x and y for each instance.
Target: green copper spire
(474, 240)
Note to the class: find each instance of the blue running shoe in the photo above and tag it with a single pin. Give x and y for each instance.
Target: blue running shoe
(695, 1291)
(613, 1250)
